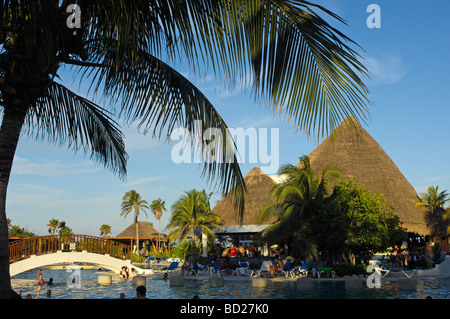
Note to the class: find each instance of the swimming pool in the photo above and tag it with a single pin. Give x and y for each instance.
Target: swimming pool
(157, 288)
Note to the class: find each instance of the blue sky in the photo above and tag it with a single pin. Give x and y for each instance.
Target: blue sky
(410, 91)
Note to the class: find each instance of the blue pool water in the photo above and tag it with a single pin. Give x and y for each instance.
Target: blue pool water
(157, 288)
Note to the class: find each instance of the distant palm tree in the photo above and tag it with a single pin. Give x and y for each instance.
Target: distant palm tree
(433, 201)
(296, 198)
(53, 225)
(132, 202)
(191, 214)
(63, 229)
(158, 206)
(105, 230)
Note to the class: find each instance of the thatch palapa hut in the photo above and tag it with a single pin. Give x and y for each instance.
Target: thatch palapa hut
(359, 156)
(147, 233)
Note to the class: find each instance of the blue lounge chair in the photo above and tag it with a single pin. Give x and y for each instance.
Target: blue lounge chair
(287, 269)
(383, 271)
(150, 259)
(173, 265)
(244, 269)
(215, 267)
(198, 267)
(303, 270)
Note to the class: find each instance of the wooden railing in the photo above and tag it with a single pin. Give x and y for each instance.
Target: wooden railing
(49, 244)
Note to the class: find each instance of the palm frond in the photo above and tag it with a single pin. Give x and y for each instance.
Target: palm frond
(161, 99)
(64, 117)
(301, 62)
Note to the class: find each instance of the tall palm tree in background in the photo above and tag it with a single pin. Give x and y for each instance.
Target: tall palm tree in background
(132, 202)
(191, 214)
(432, 199)
(105, 230)
(158, 206)
(435, 214)
(126, 49)
(63, 229)
(53, 225)
(298, 196)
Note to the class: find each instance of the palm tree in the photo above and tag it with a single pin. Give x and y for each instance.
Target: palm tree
(125, 50)
(105, 230)
(132, 202)
(53, 225)
(435, 215)
(158, 206)
(191, 214)
(63, 229)
(432, 199)
(296, 198)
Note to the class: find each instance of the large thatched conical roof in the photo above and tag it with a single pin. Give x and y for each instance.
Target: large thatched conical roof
(359, 156)
(145, 229)
(258, 193)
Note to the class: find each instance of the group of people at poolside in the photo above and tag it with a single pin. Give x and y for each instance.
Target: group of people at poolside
(233, 251)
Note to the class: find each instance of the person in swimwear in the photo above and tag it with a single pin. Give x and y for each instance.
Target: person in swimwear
(276, 266)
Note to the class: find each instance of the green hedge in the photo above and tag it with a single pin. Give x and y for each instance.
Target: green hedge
(349, 270)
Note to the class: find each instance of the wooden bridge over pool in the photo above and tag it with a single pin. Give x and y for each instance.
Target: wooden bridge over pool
(36, 252)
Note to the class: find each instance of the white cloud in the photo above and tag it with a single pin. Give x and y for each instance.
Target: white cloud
(386, 69)
(24, 166)
(140, 181)
(136, 140)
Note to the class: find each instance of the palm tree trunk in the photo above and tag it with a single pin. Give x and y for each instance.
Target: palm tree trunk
(13, 120)
(137, 233)
(159, 233)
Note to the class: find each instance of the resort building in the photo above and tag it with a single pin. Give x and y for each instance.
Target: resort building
(359, 157)
(258, 194)
(147, 235)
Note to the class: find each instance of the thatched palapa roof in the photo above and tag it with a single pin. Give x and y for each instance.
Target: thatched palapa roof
(258, 193)
(146, 231)
(359, 156)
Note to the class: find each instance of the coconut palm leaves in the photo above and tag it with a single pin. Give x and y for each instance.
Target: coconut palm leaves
(191, 214)
(53, 225)
(105, 230)
(132, 202)
(436, 216)
(65, 118)
(296, 197)
(432, 198)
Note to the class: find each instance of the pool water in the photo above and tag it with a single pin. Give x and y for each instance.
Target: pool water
(157, 288)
